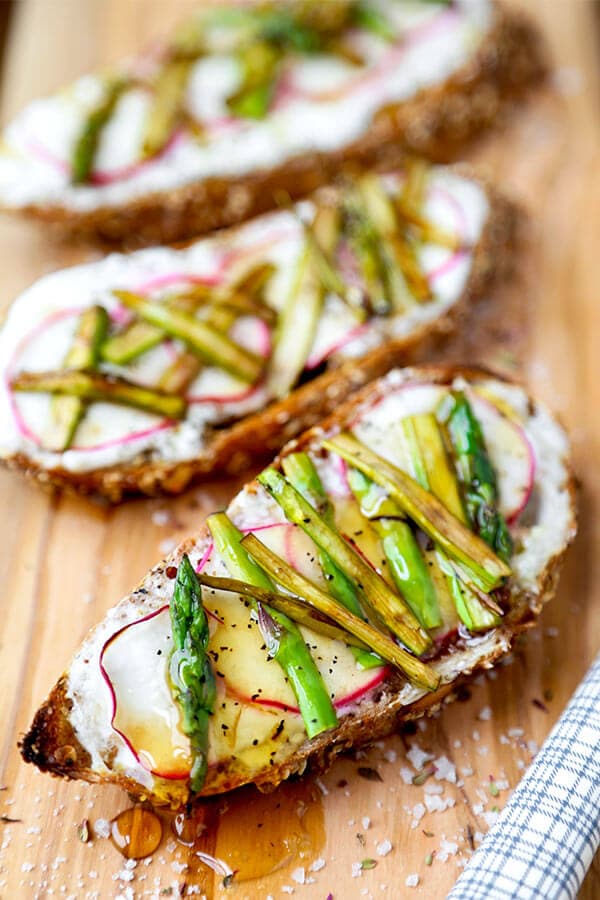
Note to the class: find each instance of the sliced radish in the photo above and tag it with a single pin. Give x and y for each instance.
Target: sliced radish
(511, 454)
(134, 663)
(253, 678)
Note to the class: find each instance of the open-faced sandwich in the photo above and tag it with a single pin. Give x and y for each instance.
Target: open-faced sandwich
(249, 100)
(141, 372)
(385, 555)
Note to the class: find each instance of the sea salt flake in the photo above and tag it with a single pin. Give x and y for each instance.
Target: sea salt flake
(299, 875)
(317, 865)
(406, 775)
(390, 756)
(366, 823)
(102, 828)
(445, 770)
(356, 869)
(412, 880)
(486, 714)
(384, 848)
(417, 756)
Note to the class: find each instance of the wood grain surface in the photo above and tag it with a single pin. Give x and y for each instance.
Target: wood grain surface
(63, 562)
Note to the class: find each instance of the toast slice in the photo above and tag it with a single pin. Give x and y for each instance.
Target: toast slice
(312, 328)
(211, 130)
(100, 722)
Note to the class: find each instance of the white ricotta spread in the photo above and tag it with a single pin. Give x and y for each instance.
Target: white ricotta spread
(327, 105)
(40, 324)
(546, 529)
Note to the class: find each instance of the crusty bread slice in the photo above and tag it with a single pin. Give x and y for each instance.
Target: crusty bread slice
(67, 738)
(436, 121)
(232, 446)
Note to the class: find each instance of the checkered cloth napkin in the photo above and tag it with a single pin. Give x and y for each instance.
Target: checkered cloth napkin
(545, 839)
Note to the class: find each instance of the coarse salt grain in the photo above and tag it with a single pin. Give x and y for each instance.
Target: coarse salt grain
(486, 714)
(366, 823)
(445, 770)
(317, 865)
(356, 869)
(299, 875)
(417, 756)
(102, 828)
(406, 775)
(412, 880)
(384, 848)
(390, 756)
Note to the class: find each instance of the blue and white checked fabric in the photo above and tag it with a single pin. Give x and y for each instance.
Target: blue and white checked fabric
(544, 841)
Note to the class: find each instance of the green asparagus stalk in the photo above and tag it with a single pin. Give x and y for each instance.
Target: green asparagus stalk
(401, 550)
(207, 342)
(86, 145)
(297, 325)
(476, 474)
(282, 636)
(260, 62)
(66, 412)
(131, 342)
(303, 589)
(366, 245)
(93, 387)
(486, 570)
(294, 609)
(439, 477)
(302, 474)
(139, 337)
(191, 675)
(374, 590)
(168, 106)
(179, 374)
(367, 16)
(427, 456)
(401, 261)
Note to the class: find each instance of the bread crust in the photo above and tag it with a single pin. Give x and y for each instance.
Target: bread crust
(436, 123)
(235, 448)
(52, 746)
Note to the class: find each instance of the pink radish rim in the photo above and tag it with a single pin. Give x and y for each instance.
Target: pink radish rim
(102, 177)
(289, 91)
(171, 776)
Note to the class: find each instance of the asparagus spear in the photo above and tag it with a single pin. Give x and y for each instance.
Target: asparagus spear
(282, 636)
(191, 675)
(167, 109)
(417, 672)
(259, 61)
(374, 590)
(485, 569)
(208, 343)
(401, 550)
(401, 262)
(93, 387)
(87, 142)
(179, 374)
(302, 474)
(427, 456)
(366, 246)
(293, 608)
(476, 473)
(66, 412)
(139, 337)
(366, 16)
(297, 325)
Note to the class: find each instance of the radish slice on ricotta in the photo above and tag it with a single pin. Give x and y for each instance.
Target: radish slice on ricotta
(134, 663)
(511, 454)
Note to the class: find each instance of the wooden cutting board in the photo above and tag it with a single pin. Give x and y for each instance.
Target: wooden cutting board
(64, 562)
